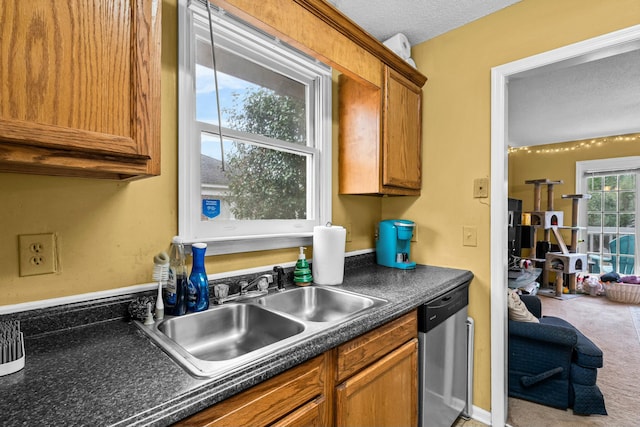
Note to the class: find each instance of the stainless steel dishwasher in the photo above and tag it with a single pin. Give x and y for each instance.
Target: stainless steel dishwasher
(443, 358)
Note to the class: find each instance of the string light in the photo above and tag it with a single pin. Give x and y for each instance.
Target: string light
(575, 145)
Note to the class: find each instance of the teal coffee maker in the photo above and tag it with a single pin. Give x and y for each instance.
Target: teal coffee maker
(393, 243)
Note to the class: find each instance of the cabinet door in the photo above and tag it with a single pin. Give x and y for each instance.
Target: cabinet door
(80, 91)
(402, 135)
(384, 394)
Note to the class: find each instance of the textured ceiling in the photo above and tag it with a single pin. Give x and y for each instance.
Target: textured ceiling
(419, 20)
(590, 100)
(564, 102)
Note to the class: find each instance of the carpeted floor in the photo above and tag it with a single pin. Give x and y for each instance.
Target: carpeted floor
(611, 326)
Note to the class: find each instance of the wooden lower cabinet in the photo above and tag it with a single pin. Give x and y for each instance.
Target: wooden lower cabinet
(377, 377)
(362, 351)
(371, 380)
(383, 394)
(286, 395)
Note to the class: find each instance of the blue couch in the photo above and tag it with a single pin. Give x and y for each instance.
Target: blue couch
(553, 363)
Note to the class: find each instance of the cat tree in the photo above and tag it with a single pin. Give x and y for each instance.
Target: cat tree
(567, 261)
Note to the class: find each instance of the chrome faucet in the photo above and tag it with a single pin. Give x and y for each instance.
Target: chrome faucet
(261, 283)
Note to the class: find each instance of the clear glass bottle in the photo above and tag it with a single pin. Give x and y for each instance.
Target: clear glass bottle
(198, 281)
(175, 294)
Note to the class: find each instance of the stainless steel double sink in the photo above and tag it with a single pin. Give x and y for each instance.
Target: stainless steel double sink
(225, 338)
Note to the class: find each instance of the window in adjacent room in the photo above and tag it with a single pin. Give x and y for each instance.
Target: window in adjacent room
(610, 215)
(255, 172)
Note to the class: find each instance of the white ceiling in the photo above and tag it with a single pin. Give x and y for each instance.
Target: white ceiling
(419, 20)
(588, 100)
(564, 102)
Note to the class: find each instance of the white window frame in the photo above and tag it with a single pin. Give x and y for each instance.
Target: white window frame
(602, 166)
(227, 237)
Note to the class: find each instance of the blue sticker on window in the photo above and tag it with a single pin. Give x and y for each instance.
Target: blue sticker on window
(210, 208)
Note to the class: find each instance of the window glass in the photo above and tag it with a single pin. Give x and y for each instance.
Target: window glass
(256, 182)
(611, 212)
(257, 125)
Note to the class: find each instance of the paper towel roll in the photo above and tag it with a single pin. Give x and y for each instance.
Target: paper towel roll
(328, 254)
(400, 45)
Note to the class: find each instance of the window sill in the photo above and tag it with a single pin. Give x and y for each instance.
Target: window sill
(221, 246)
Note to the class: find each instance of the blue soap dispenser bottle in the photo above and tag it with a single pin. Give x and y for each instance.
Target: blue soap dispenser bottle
(198, 282)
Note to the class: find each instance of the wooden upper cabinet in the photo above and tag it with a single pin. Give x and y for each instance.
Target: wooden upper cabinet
(80, 91)
(380, 135)
(401, 133)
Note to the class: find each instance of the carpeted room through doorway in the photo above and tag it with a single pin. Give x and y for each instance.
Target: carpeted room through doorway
(615, 328)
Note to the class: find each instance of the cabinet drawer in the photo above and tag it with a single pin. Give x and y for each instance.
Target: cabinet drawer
(310, 415)
(266, 402)
(366, 349)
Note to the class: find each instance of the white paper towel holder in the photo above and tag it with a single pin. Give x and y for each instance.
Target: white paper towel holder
(336, 258)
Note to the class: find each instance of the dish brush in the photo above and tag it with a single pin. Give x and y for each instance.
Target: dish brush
(11, 347)
(160, 275)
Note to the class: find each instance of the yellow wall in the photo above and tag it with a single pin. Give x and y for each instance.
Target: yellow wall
(456, 133)
(558, 162)
(109, 231)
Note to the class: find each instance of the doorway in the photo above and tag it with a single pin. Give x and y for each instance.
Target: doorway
(581, 52)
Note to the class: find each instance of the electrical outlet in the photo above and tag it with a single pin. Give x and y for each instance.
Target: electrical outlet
(414, 236)
(37, 254)
(481, 187)
(469, 236)
(348, 228)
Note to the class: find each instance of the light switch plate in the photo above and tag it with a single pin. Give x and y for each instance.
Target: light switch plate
(481, 187)
(469, 236)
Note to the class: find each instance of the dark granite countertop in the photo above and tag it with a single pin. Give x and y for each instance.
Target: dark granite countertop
(108, 373)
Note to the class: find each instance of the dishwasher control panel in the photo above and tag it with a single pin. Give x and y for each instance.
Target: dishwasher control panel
(440, 309)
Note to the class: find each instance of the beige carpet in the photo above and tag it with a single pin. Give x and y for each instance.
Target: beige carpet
(610, 325)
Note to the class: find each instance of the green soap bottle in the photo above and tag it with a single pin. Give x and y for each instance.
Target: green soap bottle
(302, 272)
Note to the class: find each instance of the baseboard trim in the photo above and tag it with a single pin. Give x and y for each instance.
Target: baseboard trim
(481, 415)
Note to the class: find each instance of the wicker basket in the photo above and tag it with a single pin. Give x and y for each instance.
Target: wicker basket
(623, 292)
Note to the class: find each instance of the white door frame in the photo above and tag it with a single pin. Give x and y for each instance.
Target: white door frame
(585, 51)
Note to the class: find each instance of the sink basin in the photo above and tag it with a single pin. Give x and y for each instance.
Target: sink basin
(232, 336)
(229, 331)
(317, 304)
(221, 339)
